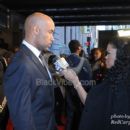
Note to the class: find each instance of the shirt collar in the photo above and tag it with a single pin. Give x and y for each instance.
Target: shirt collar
(35, 51)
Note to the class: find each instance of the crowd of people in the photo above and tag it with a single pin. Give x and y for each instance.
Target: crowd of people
(93, 93)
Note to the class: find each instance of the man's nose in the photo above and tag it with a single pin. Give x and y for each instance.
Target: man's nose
(52, 38)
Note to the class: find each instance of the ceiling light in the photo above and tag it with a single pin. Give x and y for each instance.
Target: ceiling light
(124, 33)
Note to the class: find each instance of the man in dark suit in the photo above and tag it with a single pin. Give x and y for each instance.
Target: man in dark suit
(27, 81)
(83, 69)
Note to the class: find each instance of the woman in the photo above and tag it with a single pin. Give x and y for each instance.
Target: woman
(107, 106)
(97, 60)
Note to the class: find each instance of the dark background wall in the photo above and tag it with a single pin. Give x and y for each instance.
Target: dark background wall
(105, 36)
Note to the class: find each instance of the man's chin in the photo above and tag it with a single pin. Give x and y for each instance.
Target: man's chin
(44, 47)
(49, 45)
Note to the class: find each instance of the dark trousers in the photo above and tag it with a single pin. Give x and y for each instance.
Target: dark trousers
(4, 116)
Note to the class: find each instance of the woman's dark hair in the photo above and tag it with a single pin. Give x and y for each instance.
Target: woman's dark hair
(92, 58)
(119, 72)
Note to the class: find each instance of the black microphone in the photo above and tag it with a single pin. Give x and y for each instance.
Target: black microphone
(58, 63)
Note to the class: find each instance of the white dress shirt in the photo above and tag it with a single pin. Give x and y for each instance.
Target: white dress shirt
(37, 53)
(34, 50)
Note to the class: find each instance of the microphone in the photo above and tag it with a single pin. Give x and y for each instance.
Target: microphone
(58, 63)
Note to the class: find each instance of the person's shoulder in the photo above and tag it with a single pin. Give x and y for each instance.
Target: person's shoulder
(73, 60)
(85, 59)
(103, 85)
(98, 91)
(17, 62)
(74, 57)
(20, 57)
(86, 62)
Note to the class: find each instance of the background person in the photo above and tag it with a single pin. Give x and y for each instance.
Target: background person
(83, 69)
(97, 61)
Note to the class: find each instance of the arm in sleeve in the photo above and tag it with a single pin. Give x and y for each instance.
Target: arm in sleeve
(17, 90)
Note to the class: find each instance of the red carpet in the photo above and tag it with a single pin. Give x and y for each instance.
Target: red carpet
(62, 127)
(9, 125)
(63, 120)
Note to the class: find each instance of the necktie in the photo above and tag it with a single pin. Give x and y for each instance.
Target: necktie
(45, 64)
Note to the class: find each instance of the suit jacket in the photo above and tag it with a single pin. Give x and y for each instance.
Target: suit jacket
(29, 92)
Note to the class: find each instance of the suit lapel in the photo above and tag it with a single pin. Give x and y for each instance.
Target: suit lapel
(35, 60)
(41, 68)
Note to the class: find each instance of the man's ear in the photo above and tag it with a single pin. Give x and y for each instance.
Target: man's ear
(36, 30)
(78, 48)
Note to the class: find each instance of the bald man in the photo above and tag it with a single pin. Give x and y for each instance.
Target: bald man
(27, 81)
